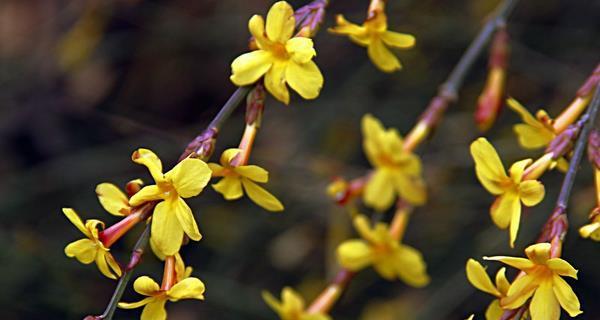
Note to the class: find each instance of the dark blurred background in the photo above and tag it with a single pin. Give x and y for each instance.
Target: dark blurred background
(84, 83)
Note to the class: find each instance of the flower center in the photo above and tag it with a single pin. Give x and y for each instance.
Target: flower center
(279, 51)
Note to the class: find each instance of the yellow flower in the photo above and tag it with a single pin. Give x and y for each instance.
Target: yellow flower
(374, 35)
(480, 280)
(172, 216)
(543, 281)
(154, 304)
(511, 190)
(536, 132)
(389, 257)
(397, 172)
(237, 179)
(113, 199)
(280, 57)
(291, 306)
(592, 229)
(91, 249)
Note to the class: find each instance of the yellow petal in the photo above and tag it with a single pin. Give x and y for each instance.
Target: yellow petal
(189, 288)
(382, 57)
(386, 268)
(151, 161)
(532, 137)
(346, 27)
(501, 282)
(256, 25)
(189, 177)
(113, 199)
(544, 305)
(410, 266)
(379, 191)
(272, 301)
(280, 22)
(292, 301)
(531, 192)
(412, 189)
(520, 290)
(84, 250)
(480, 279)
(155, 310)
(565, 296)
(314, 316)
(166, 229)
(254, 173)
(503, 209)
(494, 311)
(589, 229)
(76, 221)
(398, 40)
(515, 220)
(228, 155)
(217, 170)
(354, 254)
(562, 267)
(539, 253)
(148, 193)
(155, 249)
(516, 170)
(261, 196)
(488, 167)
(372, 129)
(526, 116)
(144, 285)
(113, 264)
(515, 262)
(305, 78)
(362, 226)
(186, 219)
(275, 82)
(249, 67)
(230, 187)
(300, 49)
(133, 305)
(103, 265)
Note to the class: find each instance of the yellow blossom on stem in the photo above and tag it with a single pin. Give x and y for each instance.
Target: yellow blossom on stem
(397, 172)
(281, 58)
(592, 229)
(237, 179)
(542, 281)
(291, 306)
(154, 304)
(374, 35)
(388, 256)
(511, 190)
(535, 132)
(480, 280)
(172, 216)
(91, 249)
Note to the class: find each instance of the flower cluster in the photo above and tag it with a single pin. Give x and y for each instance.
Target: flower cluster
(540, 279)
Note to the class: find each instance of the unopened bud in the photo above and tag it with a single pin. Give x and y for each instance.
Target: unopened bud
(489, 103)
(593, 149)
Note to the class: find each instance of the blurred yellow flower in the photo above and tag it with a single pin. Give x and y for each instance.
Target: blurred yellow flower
(536, 132)
(480, 280)
(91, 249)
(291, 306)
(543, 281)
(113, 199)
(281, 58)
(237, 179)
(397, 172)
(510, 191)
(172, 216)
(592, 229)
(374, 35)
(154, 304)
(388, 256)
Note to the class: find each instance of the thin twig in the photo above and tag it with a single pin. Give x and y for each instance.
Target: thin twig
(136, 255)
